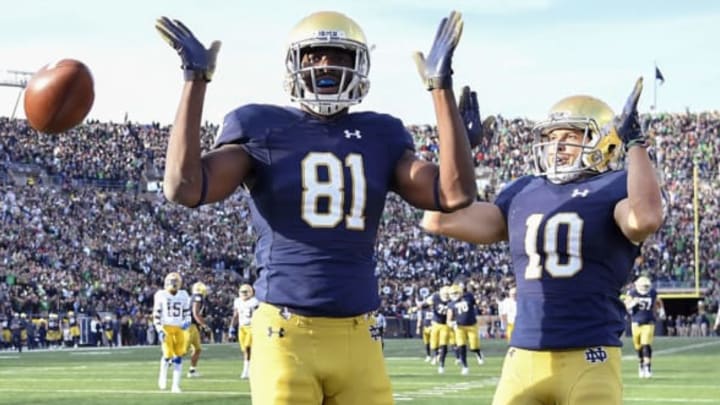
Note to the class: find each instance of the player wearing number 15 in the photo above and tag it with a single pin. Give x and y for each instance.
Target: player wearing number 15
(574, 230)
(171, 318)
(318, 177)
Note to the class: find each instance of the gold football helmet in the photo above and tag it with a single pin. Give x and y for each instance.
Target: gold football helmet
(246, 291)
(456, 292)
(173, 282)
(199, 288)
(327, 29)
(445, 293)
(642, 285)
(600, 149)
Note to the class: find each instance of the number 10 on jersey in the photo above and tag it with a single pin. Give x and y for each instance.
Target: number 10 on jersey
(573, 224)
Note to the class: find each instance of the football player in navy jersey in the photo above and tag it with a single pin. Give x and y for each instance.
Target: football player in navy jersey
(439, 331)
(574, 229)
(642, 302)
(423, 327)
(463, 319)
(318, 177)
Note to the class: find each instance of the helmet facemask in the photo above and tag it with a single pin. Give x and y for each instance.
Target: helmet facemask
(302, 82)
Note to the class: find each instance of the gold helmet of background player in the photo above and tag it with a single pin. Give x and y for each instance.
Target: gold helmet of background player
(173, 282)
(246, 291)
(445, 293)
(327, 29)
(600, 147)
(455, 292)
(642, 285)
(199, 288)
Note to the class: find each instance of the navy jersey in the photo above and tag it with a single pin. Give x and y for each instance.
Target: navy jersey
(318, 191)
(570, 258)
(465, 310)
(201, 309)
(439, 309)
(427, 316)
(53, 325)
(644, 311)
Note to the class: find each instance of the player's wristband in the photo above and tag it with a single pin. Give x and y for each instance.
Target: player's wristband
(439, 82)
(641, 141)
(195, 76)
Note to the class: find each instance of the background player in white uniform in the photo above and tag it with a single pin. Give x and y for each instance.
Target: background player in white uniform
(171, 317)
(508, 309)
(243, 308)
(380, 325)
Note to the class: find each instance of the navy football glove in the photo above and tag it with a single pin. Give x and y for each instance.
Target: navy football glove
(436, 71)
(470, 113)
(185, 325)
(197, 62)
(627, 125)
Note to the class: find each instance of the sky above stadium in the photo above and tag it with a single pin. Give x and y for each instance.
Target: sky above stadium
(520, 55)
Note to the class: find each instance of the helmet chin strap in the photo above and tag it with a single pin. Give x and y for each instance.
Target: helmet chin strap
(323, 110)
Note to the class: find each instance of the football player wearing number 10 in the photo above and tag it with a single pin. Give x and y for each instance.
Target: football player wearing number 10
(318, 178)
(574, 230)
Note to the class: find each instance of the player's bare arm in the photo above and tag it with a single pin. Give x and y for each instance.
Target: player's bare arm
(640, 214)
(457, 186)
(235, 319)
(452, 185)
(480, 223)
(190, 178)
(197, 316)
(630, 302)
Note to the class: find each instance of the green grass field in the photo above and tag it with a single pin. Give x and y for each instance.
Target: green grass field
(686, 371)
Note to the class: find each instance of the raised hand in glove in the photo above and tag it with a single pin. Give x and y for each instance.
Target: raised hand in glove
(470, 113)
(627, 125)
(436, 70)
(198, 63)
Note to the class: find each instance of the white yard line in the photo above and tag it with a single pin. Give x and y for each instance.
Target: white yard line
(677, 349)
(124, 392)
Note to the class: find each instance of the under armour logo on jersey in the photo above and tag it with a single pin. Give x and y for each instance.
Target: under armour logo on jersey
(595, 355)
(280, 332)
(353, 134)
(375, 332)
(285, 313)
(580, 193)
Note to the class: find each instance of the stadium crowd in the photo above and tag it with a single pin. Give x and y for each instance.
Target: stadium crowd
(80, 231)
